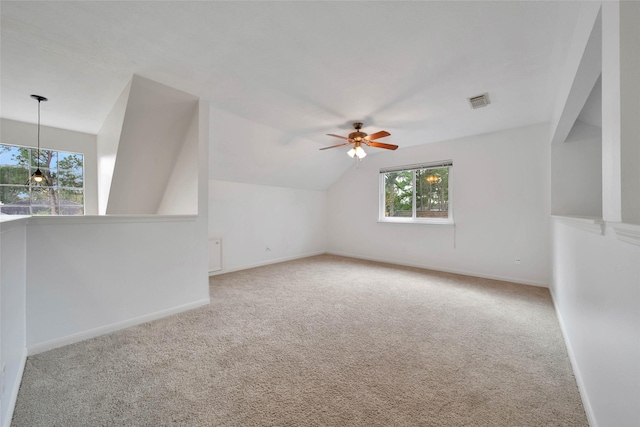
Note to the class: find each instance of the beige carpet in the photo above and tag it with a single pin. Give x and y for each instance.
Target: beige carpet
(322, 341)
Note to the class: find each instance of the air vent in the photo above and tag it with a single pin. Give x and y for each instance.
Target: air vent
(479, 101)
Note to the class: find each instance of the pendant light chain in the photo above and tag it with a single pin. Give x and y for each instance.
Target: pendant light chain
(38, 176)
(39, 133)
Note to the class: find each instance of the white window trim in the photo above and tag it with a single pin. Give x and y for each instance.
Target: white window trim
(449, 221)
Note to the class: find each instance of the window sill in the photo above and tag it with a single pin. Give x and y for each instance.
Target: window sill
(443, 222)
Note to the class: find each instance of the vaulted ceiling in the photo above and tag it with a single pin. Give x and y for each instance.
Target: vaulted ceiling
(281, 75)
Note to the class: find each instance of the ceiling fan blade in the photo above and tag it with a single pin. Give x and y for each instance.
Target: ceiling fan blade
(334, 146)
(338, 136)
(382, 145)
(377, 135)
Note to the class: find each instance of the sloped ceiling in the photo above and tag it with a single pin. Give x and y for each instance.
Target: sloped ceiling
(280, 75)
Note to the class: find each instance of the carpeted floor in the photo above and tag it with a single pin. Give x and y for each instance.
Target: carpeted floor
(322, 341)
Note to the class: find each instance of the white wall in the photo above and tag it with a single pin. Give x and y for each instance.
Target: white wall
(107, 142)
(13, 261)
(621, 111)
(251, 218)
(65, 279)
(98, 274)
(630, 110)
(596, 274)
(154, 129)
(25, 134)
(500, 197)
(576, 173)
(596, 290)
(181, 195)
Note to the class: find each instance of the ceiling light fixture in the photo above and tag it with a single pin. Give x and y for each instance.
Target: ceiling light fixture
(38, 176)
(357, 151)
(358, 138)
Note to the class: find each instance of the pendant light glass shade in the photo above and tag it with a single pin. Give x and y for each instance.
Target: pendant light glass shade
(433, 179)
(38, 176)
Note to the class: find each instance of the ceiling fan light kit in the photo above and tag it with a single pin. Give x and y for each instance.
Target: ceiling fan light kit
(358, 152)
(358, 138)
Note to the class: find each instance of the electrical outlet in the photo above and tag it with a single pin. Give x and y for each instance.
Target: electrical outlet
(517, 260)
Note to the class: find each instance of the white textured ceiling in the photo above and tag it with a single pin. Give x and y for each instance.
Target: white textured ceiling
(301, 69)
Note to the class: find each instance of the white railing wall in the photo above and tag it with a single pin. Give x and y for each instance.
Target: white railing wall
(13, 353)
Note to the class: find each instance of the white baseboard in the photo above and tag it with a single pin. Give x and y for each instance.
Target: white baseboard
(263, 263)
(591, 419)
(445, 270)
(92, 333)
(15, 389)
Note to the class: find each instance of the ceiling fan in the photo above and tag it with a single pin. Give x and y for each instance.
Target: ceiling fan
(358, 138)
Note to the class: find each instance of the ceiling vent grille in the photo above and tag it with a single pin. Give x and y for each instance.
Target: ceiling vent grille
(479, 101)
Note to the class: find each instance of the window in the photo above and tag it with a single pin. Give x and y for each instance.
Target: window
(416, 193)
(60, 193)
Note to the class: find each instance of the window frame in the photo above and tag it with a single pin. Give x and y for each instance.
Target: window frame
(29, 185)
(414, 219)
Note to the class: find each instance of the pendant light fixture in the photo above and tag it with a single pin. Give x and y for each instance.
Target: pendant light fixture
(433, 179)
(38, 176)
